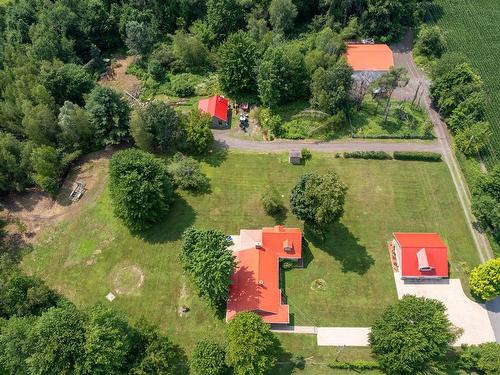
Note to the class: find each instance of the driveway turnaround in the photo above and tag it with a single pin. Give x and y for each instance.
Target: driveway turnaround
(472, 317)
(342, 336)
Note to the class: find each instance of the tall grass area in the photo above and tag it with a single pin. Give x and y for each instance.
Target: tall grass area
(472, 28)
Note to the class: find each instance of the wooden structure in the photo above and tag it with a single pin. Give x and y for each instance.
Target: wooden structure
(78, 191)
(295, 157)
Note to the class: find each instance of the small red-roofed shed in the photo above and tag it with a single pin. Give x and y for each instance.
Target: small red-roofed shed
(421, 255)
(218, 107)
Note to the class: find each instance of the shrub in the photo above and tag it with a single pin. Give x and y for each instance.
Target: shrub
(306, 154)
(182, 85)
(199, 137)
(485, 280)
(413, 155)
(271, 122)
(271, 201)
(378, 155)
(186, 173)
(431, 42)
(483, 359)
(354, 365)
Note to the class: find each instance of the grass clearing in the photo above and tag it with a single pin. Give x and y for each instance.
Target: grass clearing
(383, 196)
(472, 28)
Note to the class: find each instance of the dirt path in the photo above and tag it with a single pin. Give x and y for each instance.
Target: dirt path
(37, 210)
(404, 57)
(121, 80)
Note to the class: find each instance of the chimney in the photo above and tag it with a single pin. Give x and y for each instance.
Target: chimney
(258, 245)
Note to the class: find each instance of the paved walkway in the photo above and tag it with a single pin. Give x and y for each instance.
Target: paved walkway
(472, 317)
(493, 308)
(348, 336)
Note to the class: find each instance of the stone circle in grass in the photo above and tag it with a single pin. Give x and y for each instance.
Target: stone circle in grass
(318, 284)
(128, 280)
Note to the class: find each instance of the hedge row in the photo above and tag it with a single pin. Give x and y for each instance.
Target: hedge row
(388, 136)
(422, 156)
(379, 155)
(354, 365)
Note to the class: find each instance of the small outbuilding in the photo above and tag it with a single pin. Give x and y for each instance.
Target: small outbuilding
(218, 107)
(295, 157)
(421, 255)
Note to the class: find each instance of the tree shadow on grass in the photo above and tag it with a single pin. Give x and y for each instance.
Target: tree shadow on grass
(342, 245)
(170, 228)
(280, 215)
(216, 156)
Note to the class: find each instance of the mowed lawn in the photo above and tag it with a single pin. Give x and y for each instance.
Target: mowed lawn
(472, 28)
(82, 256)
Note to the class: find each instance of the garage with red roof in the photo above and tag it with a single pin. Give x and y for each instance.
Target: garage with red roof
(255, 283)
(216, 106)
(421, 255)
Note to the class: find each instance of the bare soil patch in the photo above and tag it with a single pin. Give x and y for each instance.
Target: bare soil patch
(119, 79)
(127, 280)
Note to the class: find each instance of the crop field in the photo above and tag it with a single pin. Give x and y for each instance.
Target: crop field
(472, 28)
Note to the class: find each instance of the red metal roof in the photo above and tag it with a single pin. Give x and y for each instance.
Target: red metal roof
(422, 255)
(255, 283)
(370, 57)
(216, 106)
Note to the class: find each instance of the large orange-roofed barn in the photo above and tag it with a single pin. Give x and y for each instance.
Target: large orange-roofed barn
(255, 283)
(369, 57)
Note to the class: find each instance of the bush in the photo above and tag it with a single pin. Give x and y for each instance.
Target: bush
(208, 359)
(271, 201)
(141, 190)
(485, 280)
(378, 155)
(186, 173)
(430, 42)
(306, 154)
(422, 156)
(354, 365)
(483, 359)
(182, 85)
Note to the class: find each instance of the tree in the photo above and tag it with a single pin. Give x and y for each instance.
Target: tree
(109, 115)
(66, 82)
(282, 15)
(271, 201)
(468, 112)
(158, 355)
(190, 52)
(14, 169)
(139, 38)
(484, 280)
(107, 342)
(206, 258)
(487, 211)
(198, 135)
(252, 349)
(23, 295)
(474, 138)
(282, 76)
(14, 344)
(40, 125)
(224, 17)
(208, 359)
(430, 42)
(141, 191)
(453, 87)
(412, 336)
(238, 64)
(331, 88)
(318, 199)
(140, 132)
(163, 124)
(57, 340)
(46, 161)
(76, 130)
(388, 83)
(186, 173)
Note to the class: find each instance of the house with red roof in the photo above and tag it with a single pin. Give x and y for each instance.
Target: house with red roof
(256, 281)
(421, 255)
(369, 57)
(218, 107)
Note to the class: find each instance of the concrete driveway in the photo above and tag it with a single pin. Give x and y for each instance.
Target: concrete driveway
(472, 317)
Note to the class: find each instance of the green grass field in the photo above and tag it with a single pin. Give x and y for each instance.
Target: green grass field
(472, 28)
(82, 256)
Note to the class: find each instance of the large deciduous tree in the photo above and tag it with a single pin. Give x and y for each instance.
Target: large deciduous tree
(252, 349)
(162, 122)
(238, 64)
(206, 258)
(473, 139)
(485, 280)
(224, 17)
(208, 358)
(198, 135)
(331, 88)
(109, 115)
(412, 336)
(282, 15)
(318, 199)
(141, 190)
